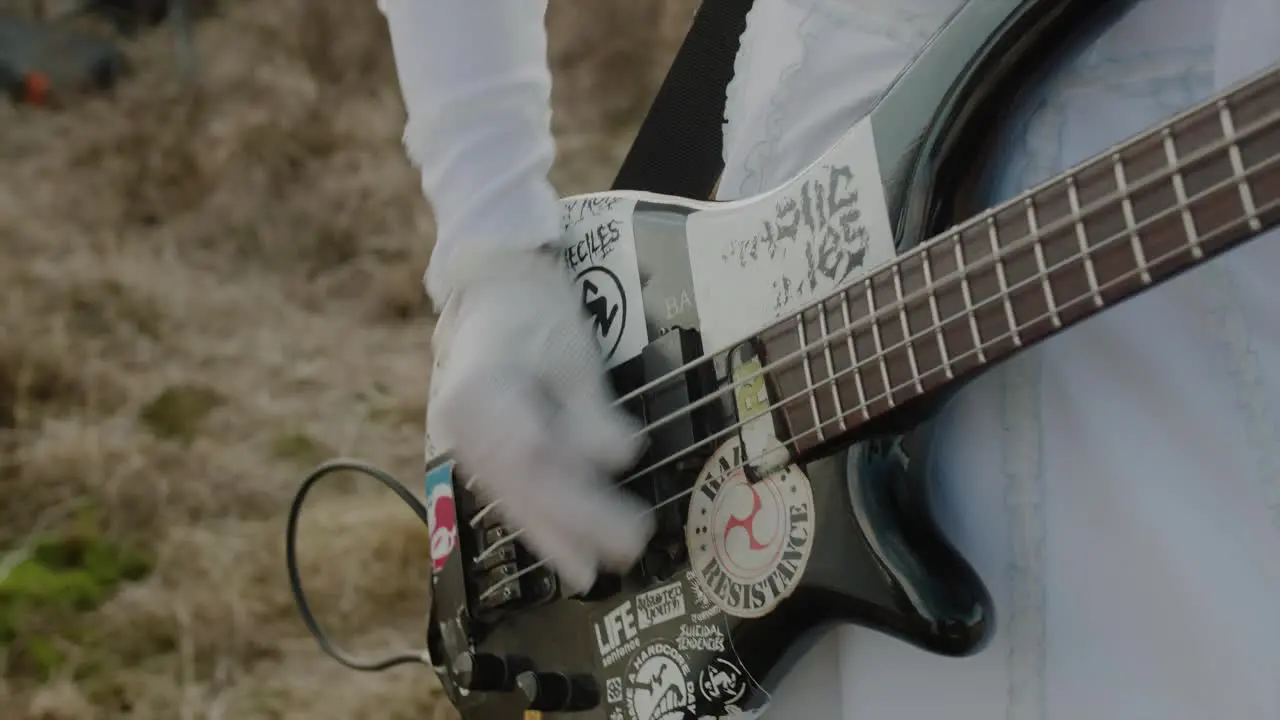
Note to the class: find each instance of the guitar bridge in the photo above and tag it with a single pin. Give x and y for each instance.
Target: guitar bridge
(674, 381)
(503, 575)
(499, 575)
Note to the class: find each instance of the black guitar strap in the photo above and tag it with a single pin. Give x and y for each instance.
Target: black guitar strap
(679, 148)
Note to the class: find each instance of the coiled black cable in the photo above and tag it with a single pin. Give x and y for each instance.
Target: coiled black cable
(295, 580)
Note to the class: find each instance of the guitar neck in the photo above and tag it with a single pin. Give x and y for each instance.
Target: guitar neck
(1121, 223)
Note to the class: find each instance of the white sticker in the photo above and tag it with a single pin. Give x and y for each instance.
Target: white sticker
(659, 605)
(600, 252)
(617, 635)
(657, 684)
(748, 542)
(705, 609)
(759, 259)
(613, 690)
(700, 638)
(704, 615)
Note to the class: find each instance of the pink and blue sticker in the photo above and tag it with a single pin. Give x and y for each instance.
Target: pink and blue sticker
(442, 514)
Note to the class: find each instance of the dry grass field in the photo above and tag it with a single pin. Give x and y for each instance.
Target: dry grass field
(204, 291)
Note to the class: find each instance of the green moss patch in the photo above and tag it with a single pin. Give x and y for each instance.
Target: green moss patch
(300, 448)
(44, 596)
(178, 411)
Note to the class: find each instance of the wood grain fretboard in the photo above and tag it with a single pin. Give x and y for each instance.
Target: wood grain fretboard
(1019, 273)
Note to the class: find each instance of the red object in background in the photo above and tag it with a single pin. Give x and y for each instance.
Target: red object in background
(35, 89)
(44, 64)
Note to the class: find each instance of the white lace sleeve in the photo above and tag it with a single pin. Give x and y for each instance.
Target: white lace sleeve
(477, 89)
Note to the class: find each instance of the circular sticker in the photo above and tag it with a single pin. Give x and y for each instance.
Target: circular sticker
(606, 304)
(748, 542)
(442, 515)
(657, 684)
(722, 683)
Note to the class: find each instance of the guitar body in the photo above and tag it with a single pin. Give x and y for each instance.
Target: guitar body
(668, 280)
(762, 542)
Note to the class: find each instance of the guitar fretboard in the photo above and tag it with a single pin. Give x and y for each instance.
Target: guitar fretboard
(1021, 272)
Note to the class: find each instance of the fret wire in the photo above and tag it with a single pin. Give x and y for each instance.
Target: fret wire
(1237, 166)
(1116, 281)
(961, 270)
(808, 376)
(1073, 195)
(831, 365)
(1004, 284)
(889, 390)
(906, 329)
(938, 334)
(1180, 192)
(1130, 220)
(1033, 226)
(853, 355)
(875, 335)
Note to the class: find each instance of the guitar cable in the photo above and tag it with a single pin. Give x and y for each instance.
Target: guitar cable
(295, 580)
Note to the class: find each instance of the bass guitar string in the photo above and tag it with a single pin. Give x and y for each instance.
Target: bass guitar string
(1143, 268)
(892, 309)
(1101, 204)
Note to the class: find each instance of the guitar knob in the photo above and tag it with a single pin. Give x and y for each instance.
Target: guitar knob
(486, 672)
(556, 692)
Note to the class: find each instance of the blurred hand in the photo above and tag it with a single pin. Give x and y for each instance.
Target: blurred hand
(519, 396)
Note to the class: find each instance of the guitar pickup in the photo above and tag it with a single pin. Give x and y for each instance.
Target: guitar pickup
(675, 380)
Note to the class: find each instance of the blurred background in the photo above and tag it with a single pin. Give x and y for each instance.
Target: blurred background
(210, 281)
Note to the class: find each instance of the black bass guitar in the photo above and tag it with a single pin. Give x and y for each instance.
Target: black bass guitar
(781, 348)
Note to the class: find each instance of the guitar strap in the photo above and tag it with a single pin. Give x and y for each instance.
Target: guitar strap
(679, 148)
